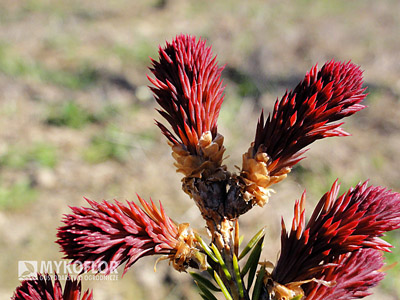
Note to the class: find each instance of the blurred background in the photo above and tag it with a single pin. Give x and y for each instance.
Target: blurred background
(77, 118)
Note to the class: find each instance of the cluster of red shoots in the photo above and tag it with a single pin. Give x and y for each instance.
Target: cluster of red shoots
(335, 255)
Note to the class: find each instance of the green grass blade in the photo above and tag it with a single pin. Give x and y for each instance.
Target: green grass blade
(205, 247)
(205, 292)
(238, 276)
(241, 239)
(203, 296)
(210, 271)
(204, 281)
(221, 262)
(298, 297)
(222, 286)
(254, 256)
(257, 286)
(252, 243)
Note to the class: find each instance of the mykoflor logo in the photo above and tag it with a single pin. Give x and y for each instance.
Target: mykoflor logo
(27, 269)
(30, 268)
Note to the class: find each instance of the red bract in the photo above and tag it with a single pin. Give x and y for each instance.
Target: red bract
(338, 225)
(41, 288)
(306, 113)
(108, 234)
(189, 90)
(301, 117)
(354, 275)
